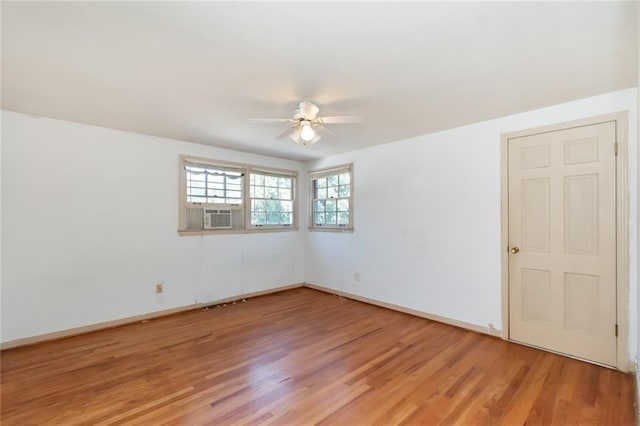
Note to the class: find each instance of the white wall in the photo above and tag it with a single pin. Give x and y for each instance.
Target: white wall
(81, 244)
(427, 218)
(89, 226)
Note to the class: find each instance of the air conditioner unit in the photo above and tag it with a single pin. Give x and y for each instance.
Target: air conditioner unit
(217, 219)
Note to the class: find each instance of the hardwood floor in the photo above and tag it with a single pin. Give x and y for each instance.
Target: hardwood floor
(303, 357)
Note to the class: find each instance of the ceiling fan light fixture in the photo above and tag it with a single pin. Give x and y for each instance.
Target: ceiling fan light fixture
(306, 131)
(306, 127)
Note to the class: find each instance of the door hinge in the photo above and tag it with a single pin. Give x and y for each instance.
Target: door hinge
(616, 330)
(615, 148)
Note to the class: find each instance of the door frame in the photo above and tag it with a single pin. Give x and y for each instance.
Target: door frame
(622, 223)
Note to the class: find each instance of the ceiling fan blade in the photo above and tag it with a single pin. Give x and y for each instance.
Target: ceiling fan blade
(340, 119)
(295, 136)
(272, 120)
(315, 139)
(326, 132)
(286, 133)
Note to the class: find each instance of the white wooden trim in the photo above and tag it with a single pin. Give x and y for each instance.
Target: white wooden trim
(235, 165)
(329, 171)
(329, 229)
(456, 323)
(622, 219)
(136, 318)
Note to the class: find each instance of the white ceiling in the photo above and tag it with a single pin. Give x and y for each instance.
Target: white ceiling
(197, 71)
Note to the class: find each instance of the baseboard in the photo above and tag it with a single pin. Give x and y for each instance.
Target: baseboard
(136, 318)
(636, 374)
(456, 323)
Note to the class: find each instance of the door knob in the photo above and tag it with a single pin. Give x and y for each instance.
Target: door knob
(515, 250)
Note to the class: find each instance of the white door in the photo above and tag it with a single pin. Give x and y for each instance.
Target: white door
(562, 241)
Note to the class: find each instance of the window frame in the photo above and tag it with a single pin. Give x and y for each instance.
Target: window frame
(316, 174)
(249, 211)
(245, 205)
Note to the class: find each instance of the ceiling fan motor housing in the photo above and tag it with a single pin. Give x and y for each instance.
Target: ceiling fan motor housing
(306, 111)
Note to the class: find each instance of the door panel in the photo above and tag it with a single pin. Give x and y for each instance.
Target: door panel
(535, 214)
(581, 214)
(536, 292)
(562, 205)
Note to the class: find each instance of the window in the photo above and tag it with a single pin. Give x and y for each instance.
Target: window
(271, 199)
(211, 184)
(332, 198)
(217, 197)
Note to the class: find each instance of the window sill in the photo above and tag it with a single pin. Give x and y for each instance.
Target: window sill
(329, 229)
(202, 232)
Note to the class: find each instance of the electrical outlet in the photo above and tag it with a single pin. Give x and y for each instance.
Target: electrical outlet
(356, 276)
(159, 288)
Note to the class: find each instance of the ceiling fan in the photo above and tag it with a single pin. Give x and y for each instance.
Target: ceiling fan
(305, 127)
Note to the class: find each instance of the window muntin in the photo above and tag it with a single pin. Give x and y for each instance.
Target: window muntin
(331, 199)
(271, 199)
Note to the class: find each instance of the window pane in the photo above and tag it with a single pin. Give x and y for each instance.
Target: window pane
(215, 178)
(271, 192)
(286, 206)
(234, 194)
(258, 206)
(197, 184)
(331, 205)
(234, 187)
(258, 179)
(321, 193)
(330, 218)
(197, 192)
(273, 218)
(332, 192)
(321, 183)
(258, 218)
(271, 181)
(259, 192)
(345, 178)
(344, 190)
(285, 194)
(343, 205)
(284, 182)
(198, 177)
(318, 218)
(318, 206)
(287, 218)
(343, 218)
(332, 180)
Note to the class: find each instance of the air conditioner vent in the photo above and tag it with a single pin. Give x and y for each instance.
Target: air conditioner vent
(217, 219)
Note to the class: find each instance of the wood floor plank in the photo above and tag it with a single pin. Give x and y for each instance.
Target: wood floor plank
(303, 357)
